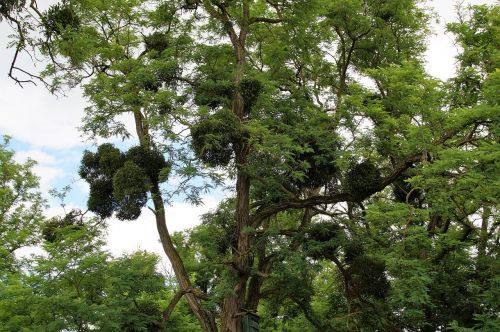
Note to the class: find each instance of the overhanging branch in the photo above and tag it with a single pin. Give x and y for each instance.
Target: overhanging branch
(267, 211)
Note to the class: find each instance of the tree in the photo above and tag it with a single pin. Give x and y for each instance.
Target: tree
(21, 207)
(74, 284)
(77, 286)
(327, 168)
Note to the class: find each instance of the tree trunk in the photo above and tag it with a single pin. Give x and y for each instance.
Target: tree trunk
(204, 317)
(483, 233)
(234, 303)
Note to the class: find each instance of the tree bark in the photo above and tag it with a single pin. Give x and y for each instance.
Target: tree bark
(233, 304)
(483, 233)
(204, 317)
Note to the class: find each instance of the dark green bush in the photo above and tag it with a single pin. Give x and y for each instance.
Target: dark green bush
(213, 137)
(157, 41)
(321, 160)
(53, 229)
(322, 240)
(250, 90)
(151, 161)
(363, 179)
(368, 277)
(60, 17)
(130, 190)
(214, 93)
(120, 182)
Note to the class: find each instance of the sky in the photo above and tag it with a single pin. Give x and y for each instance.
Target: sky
(43, 127)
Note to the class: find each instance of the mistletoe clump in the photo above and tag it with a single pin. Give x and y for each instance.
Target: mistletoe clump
(322, 240)
(61, 17)
(250, 90)
(119, 182)
(167, 72)
(130, 188)
(101, 200)
(151, 161)
(368, 276)
(352, 250)
(147, 80)
(157, 41)
(213, 137)
(214, 93)
(98, 170)
(102, 164)
(363, 179)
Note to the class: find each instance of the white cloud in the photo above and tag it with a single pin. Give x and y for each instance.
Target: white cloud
(47, 175)
(141, 234)
(82, 185)
(441, 52)
(38, 155)
(34, 116)
(26, 252)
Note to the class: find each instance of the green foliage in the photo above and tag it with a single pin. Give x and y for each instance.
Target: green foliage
(53, 230)
(100, 199)
(363, 179)
(477, 34)
(250, 90)
(130, 190)
(294, 150)
(76, 283)
(368, 277)
(322, 240)
(214, 135)
(157, 41)
(60, 17)
(21, 206)
(119, 182)
(214, 94)
(9, 6)
(98, 170)
(320, 161)
(404, 240)
(151, 161)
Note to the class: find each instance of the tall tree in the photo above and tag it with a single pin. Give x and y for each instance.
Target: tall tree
(317, 110)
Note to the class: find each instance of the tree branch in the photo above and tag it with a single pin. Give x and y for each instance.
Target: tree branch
(223, 17)
(177, 297)
(265, 20)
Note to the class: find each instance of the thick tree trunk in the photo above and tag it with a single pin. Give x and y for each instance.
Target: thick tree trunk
(233, 304)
